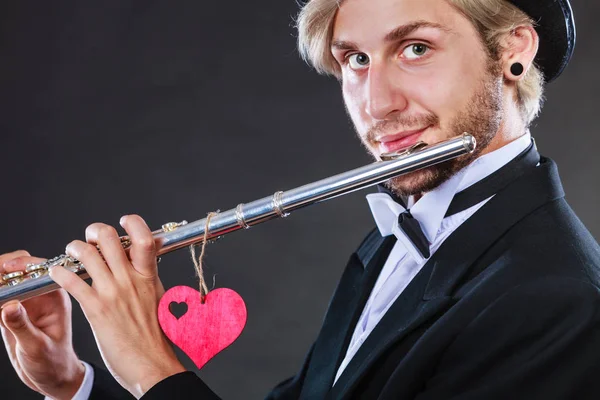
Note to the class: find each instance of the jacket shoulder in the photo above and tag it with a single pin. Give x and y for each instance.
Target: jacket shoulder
(552, 241)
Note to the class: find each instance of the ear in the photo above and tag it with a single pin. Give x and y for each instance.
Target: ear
(519, 46)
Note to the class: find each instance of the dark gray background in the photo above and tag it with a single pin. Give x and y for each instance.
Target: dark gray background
(171, 109)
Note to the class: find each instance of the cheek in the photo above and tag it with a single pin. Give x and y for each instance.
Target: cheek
(435, 90)
(444, 89)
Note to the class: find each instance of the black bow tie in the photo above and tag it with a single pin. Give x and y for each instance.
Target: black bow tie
(469, 197)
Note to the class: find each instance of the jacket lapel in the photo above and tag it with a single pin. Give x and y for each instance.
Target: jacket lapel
(343, 312)
(461, 250)
(407, 313)
(431, 291)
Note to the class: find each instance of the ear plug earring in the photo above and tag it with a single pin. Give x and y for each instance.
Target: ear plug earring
(517, 69)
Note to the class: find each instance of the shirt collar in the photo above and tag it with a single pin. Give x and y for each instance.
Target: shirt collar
(430, 209)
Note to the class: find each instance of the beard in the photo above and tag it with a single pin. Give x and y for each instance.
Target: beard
(481, 117)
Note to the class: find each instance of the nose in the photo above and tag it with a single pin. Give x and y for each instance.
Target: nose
(385, 96)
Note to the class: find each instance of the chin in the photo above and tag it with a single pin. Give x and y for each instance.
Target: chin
(421, 181)
(412, 183)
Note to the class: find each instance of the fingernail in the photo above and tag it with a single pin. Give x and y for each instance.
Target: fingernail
(122, 220)
(71, 250)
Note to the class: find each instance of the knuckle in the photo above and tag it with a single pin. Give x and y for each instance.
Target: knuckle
(87, 250)
(69, 280)
(21, 253)
(145, 243)
(104, 294)
(30, 259)
(6, 257)
(21, 262)
(148, 281)
(127, 286)
(66, 280)
(18, 264)
(100, 309)
(106, 232)
(18, 325)
(13, 265)
(110, 294)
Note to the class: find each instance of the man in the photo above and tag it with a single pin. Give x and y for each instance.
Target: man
(479, 282)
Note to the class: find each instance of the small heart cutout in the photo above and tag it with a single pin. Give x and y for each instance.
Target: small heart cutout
(178, 309)
(204, 329)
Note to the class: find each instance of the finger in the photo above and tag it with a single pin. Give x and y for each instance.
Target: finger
(45, 310)
(75, 286)
(9, 342)
(107, 239)
(20, 263)
(11, 349)
(143, 248)
(19, 330)
(93, 262)
(26, 335)
(9, 256)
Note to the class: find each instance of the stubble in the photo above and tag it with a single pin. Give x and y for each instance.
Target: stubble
(481, 118)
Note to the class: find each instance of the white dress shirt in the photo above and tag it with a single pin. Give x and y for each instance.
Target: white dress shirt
(405, 261)
(86, 386)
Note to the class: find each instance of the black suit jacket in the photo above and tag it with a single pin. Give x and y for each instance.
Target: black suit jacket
(507, 308)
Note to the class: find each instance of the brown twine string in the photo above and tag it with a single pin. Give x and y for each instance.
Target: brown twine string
(198, 261)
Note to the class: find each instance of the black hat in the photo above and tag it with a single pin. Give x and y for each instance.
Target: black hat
(556, 28)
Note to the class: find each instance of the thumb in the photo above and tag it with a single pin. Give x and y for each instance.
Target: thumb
(16, 320)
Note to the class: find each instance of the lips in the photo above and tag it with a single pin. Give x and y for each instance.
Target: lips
(392, 143)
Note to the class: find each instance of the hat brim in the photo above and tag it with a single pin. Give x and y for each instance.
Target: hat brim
(555, 26)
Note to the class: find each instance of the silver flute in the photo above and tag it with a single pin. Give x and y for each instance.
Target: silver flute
(35, 281)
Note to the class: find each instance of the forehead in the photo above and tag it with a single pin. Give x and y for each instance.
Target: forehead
(358, 20)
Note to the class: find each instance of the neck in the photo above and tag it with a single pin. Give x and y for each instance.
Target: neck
(511, 127)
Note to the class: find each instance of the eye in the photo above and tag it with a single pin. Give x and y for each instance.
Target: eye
(358, 61)
(415, 51)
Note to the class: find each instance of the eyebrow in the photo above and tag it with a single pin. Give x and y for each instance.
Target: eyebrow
(393, 36)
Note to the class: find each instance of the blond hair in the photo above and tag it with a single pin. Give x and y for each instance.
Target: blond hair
(493, 19)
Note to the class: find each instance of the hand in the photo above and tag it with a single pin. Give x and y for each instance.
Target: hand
(37, 334)
(121, 305)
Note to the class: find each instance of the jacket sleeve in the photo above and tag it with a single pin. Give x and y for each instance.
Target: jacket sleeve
(538, 341)
(105, 387)
(186, 385)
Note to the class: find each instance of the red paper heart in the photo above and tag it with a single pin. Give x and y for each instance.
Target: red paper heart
(204, 329)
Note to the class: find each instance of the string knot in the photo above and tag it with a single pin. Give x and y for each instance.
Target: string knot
(198, 261)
